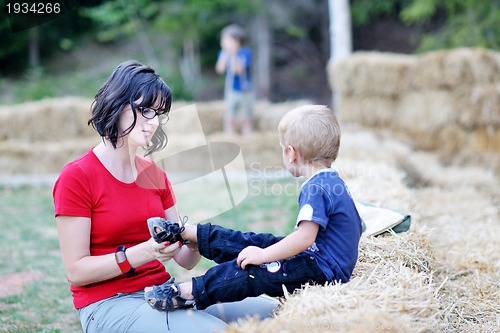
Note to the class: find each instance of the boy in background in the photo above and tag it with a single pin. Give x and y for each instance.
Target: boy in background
(234, 60)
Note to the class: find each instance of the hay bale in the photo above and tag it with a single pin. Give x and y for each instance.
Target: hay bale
(56, 119)
(424, 112)
(268, 115)
(211, 116)
(372, 74)
(392, 290)
(259, 150)
(478, 107)
(485, 140)
(18, 157)
(369, 111)
(450, 69)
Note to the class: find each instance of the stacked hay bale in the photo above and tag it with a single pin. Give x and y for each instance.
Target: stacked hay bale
(40, 137)
(447, 101)
(391, 290)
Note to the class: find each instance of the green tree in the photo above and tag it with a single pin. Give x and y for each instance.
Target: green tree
(469, 23)
(188, 24)
(35, 38)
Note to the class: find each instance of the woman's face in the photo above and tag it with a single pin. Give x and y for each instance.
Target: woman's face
(141, 134)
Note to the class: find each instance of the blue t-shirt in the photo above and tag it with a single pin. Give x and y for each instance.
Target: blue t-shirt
(326, 200)
(240, 82)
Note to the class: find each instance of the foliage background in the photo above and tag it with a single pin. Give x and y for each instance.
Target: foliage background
(69, 55)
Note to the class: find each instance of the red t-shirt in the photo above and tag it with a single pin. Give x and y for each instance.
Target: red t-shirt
(118, 213)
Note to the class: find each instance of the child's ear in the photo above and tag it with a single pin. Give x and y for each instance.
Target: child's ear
(293, 153)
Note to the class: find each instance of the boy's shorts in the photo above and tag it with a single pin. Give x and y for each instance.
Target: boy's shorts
(239, 100)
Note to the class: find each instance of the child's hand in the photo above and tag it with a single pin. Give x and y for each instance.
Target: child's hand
(251, 255)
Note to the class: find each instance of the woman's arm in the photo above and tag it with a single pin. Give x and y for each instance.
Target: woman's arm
(81, 268)
(298, 241)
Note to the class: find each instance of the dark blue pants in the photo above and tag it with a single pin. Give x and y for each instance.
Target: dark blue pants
(227, 282)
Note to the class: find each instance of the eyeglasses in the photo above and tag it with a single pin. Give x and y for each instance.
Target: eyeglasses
(149, 113)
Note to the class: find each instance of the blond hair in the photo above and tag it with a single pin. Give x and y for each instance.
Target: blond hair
(314, 132)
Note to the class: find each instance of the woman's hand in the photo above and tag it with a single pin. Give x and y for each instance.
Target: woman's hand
(162, 251)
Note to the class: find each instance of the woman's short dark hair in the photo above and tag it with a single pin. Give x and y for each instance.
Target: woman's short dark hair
(128, 83)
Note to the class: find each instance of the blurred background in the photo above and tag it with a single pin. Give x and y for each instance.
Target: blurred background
(291, 40)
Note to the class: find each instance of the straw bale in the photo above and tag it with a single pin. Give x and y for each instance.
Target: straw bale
(210, 115)
(478, 106)
(471, 314)
(260, 150)
(372, 74)
(453, 68)
(55, 119)
(367, 179)
(268, 115)
(490, 161)
(18, 157)
(369, 111)
(392, 290)
(485, 140)
(452, 140)
(424, 112)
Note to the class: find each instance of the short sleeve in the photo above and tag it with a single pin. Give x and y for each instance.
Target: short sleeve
(71, 193)
(313, 205)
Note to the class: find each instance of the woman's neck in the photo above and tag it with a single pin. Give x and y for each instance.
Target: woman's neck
(120, 162)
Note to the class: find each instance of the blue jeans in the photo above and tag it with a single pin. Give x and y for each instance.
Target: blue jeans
(227, 282)
(130, 313)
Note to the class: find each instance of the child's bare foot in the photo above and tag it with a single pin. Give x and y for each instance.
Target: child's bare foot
(190, 233)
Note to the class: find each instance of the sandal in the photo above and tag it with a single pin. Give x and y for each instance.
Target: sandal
(162, 297)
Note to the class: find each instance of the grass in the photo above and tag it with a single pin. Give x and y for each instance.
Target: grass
(30, 248)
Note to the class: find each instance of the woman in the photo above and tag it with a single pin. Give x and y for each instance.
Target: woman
(102, 201)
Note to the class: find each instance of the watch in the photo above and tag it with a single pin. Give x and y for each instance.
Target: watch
(122, 261)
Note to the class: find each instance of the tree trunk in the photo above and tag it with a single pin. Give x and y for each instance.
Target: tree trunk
(340, 29)
(190, 66)
(340, 35)
(34, 47)
(262, 59)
